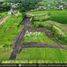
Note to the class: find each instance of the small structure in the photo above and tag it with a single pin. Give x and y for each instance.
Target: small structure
(61, 7)
(13, 9)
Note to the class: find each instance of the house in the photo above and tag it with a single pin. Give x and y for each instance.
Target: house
(13, 9)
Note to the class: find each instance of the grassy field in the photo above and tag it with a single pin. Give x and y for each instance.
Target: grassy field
(38, 37)
(46, 19)
(9, 30)
(5, 54)
(40, 55)
(8, 33)
(47, 55)
(55, 21)
(59, 16)
(2, 14)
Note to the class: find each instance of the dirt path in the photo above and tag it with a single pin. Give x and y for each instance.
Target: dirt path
(41, 45)
(18, 44)
(3, 20)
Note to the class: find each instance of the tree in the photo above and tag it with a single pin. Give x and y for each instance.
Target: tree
(27, 4)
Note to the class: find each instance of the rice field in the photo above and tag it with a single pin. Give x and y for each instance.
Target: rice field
(44, 19)
(9, 30)
(38, 37)
(47, 55)
(49, 19)
(8, 33)
(2, 15)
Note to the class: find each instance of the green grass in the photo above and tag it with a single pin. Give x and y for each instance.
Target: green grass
(47, 55)
(8, 33)
(59, 16)
(49, 19)
(5, 54)
(2, 14)
(10, 30)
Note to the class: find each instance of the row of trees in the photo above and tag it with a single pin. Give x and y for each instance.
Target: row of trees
(23, 5)
(53, 4)
(27, 4)
(31, 4)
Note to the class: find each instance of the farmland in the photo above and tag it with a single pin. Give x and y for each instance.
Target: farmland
(47, 55)
(50, 20)
(2, 14)
(8, 32)
(46, 19)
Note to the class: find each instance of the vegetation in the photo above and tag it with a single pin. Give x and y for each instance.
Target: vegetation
(10, 30)
(59, 16)
(38, 37)
(53, 20)
(58, 19)
(5, 54)
(2, 15)
(8, 33)
(43, 55)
